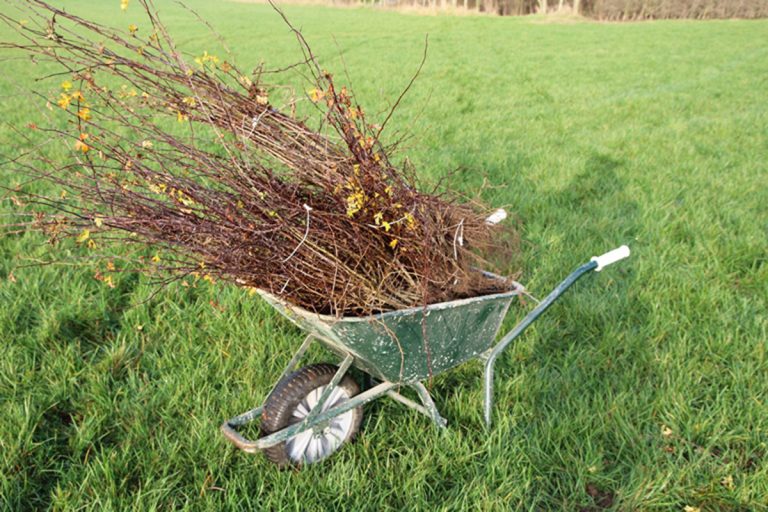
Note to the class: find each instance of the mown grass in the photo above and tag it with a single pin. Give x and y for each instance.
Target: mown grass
(644, 389)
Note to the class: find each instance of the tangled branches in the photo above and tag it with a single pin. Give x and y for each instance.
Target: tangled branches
(193, 158)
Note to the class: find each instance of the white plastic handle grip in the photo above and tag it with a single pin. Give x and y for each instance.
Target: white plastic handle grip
(611, 257)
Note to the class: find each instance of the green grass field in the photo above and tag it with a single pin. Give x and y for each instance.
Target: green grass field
(646, 388)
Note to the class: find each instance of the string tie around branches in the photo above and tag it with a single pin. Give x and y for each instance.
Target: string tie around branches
(304, 239)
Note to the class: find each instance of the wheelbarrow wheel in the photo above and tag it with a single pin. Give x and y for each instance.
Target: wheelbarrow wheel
(291, 401)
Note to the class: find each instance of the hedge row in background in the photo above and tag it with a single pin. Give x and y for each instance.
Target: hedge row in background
(613, 10)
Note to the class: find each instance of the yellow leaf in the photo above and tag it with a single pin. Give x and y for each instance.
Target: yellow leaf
(64, 100)
(205, 58)
(146, 144)
(156, 258)
(84, 114)
(316, 95)
(393, 243)
(66, 85)
(180, 117)
(80, 145)
(124, 5)
(127, 93)
(132, 28)
(184, 198)
(354, 203)
(82, 237)
(98, 221)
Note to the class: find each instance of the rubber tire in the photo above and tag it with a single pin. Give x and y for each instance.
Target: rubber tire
(279, 406)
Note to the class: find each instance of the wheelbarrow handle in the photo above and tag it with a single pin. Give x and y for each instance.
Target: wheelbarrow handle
(610, 257)
(597, 263)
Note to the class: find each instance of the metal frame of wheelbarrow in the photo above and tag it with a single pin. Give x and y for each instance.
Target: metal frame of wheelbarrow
(318, 418)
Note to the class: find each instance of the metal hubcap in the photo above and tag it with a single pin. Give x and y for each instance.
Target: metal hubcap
(313, 445)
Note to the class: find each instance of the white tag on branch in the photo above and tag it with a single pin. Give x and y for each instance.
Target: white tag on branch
(304, 239)
(497, 216)
(458, 238)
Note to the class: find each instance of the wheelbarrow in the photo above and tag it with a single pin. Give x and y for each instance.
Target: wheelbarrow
(311, 412)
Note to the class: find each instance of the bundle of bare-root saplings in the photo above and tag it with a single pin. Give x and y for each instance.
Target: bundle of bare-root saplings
(189, 155)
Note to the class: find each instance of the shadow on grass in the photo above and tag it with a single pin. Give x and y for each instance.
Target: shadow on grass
(78, 333)
(93, 326)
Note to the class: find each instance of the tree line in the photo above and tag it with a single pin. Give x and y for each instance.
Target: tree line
(613, 10)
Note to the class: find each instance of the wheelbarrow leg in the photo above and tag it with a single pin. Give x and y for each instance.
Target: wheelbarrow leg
(298, 355)
(429, 404)
(428, 408)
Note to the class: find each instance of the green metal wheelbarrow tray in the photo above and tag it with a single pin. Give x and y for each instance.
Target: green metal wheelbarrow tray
(311, 412)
